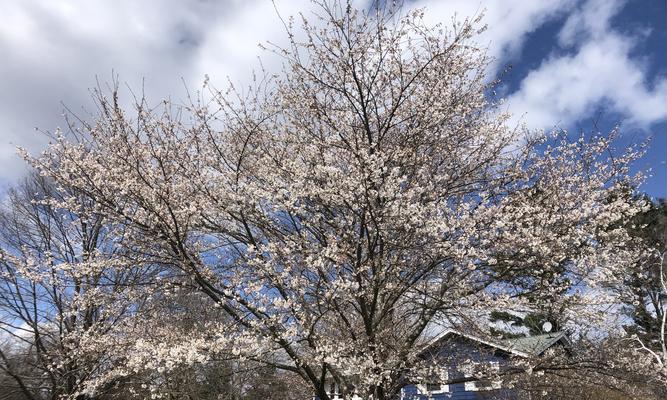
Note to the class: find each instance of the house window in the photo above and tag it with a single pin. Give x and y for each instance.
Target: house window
(482, 384)
(434, 388)
(333, 391)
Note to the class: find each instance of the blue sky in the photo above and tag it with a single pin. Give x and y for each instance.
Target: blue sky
(575, 64)
(645, 22)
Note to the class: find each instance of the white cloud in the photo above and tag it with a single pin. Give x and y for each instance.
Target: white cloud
(601, 72)
(592, 20)
(232, 49)
(52, 52)
(509, 21)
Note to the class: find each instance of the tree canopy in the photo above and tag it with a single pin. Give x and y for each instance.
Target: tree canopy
(325, 219)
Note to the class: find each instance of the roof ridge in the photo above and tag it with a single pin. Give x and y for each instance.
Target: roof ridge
(507, 345)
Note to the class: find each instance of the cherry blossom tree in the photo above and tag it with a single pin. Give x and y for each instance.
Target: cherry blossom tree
(59, 287)
(333, 213)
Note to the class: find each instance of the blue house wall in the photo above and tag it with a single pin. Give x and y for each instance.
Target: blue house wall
(453, 351)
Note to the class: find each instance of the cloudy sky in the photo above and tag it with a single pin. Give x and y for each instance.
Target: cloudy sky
(573, 64)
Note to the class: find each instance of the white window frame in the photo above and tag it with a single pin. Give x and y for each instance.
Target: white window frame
(334, 391)
(444, 388)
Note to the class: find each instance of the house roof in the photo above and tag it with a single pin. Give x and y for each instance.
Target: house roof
(535, 345)
(522, 346)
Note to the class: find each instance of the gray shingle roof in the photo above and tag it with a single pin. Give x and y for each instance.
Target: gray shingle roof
(534, 345)
(523, 346)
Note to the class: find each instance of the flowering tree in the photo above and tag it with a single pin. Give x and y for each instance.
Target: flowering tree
(59, 287)
(335, 212)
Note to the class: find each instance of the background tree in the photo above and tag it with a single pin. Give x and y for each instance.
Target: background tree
(596, 369)
(333, 213)
(59, 287)
(644, 281)
(9, 386)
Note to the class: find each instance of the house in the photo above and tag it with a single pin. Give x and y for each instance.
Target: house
(457, 348)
